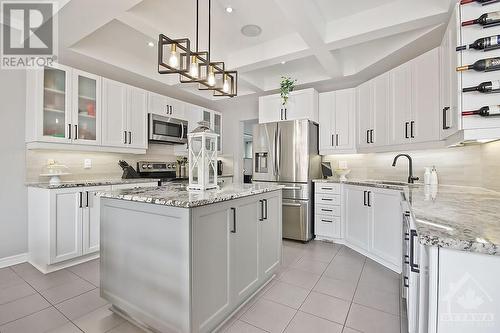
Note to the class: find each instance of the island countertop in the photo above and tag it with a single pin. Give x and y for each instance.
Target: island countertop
(179, 196)
(457, 217)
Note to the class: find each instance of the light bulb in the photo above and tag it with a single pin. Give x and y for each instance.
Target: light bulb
(211, 76)
(193, 71)
(225, 86)
(173, 61)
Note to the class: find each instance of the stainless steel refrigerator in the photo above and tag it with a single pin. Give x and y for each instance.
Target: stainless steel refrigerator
(286, 153)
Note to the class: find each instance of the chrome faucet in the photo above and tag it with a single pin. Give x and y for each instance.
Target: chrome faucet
(411, 179)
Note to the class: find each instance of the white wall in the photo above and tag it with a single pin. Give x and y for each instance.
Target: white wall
(235, 111)
(13, 196)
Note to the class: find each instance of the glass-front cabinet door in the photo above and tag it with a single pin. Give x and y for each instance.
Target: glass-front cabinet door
(56, 113)
(86, 106)
(218, 130)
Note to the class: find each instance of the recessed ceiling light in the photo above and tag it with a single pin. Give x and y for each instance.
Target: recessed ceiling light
(251, 30)
(151, 44)
(229, 9)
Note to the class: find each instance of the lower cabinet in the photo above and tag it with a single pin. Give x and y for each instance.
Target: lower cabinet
(327, 211)
(236, 247)
(64, 225)
(373, 223)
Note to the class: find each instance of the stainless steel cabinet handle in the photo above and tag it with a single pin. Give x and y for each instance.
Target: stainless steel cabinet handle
(367, 136)
(405, 283)
(290, 204)
(326, 199)
(369, 198)
(69, 131)
(291, 188)
(326, 210)
(327, 188)
(333, 143)
(76, 132)
(364, 198)
(285, 114)
(234, 220)
(336, 140)
(87, 202)
(80, 193)
(261, 203)
(371, 136)
(281, 114)
(412, 125)
(327, 221)
(125, 137)
(129, 138)
(406, 130)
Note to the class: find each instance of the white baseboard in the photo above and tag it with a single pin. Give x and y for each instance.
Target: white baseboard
(13, 260)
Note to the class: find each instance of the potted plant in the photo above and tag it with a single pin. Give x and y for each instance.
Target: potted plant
(287, 85)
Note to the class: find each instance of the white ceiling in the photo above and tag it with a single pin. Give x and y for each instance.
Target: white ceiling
(322, 43)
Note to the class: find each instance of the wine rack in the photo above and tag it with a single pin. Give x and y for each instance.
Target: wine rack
(466, 35)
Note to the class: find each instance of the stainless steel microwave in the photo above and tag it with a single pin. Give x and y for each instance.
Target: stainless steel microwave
(167, 129)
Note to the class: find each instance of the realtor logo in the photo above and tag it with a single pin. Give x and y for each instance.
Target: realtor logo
(28, 34)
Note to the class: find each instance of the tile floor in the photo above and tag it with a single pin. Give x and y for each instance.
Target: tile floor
(320, 287)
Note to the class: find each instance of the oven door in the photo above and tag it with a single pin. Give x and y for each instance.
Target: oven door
(166, 129)
(297, 219)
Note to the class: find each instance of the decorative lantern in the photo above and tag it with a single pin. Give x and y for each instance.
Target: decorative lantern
(202, 143)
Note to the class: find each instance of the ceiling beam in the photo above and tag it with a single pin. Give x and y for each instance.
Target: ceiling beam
(309, 23)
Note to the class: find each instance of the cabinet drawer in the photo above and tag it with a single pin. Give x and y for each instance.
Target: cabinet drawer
(327, 188)
(327, 199)
(327, 210)
(327, 226)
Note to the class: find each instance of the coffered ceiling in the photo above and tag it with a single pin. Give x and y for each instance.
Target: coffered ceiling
(326, 44)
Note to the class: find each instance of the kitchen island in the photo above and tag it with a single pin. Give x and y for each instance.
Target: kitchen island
(179, 261)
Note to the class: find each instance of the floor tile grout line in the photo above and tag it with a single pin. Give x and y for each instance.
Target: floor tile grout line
(51, 305)
(355, 289)
(310, 291)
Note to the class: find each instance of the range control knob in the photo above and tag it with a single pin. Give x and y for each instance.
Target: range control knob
(150, 166)
(170, 166)
(144, 166)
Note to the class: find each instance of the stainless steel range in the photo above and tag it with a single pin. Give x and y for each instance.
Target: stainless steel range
(165, 171)
(286, 153)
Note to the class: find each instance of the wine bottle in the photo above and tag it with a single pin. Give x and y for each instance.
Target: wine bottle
(486, 44)
(486, 20)
(485, 87)
(485, 111)
(482, 2)
(484, 65)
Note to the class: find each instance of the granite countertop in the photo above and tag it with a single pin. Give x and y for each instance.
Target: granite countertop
(85, 183)
(178, 196)
(457, 217)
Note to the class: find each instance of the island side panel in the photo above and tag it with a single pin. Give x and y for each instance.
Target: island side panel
(145, 262)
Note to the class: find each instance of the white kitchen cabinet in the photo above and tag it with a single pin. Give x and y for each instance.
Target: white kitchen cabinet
(450, 115)
(125, 115)
(373, 223)
(337, 122)
(245, 244)
(301, 104)
(86, 108)
(165, 106)
(327, 213)
(65, 225)
(424, 125)
(63, 105)
(357, 217)
(385, 228)
(381, 110)
(415, 100)
(236, 248)
(364, 112)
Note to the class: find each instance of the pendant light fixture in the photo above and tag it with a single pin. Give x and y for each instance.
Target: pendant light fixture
(175, 57)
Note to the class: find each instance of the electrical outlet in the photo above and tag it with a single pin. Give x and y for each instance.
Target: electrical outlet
(87, 163)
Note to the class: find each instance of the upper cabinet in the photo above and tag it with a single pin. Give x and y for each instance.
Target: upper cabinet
(449, 88)
(63, 106)
(166, 106)
(337, 122)
(301, 104)
(125, 115)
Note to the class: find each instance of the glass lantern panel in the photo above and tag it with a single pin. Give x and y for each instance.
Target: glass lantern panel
(194, 172)
(211, 173)
(208, 144)
(196, 145)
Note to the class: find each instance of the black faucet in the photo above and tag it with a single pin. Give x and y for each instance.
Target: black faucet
(411, 179)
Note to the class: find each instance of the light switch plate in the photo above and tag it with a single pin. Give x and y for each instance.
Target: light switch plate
(87, 163)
